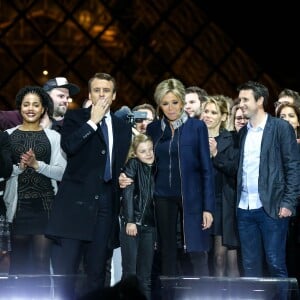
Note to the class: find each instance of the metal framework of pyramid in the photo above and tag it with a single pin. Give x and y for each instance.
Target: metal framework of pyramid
(139, 42)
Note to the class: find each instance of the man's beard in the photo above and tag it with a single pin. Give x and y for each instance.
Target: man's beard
(60, 111)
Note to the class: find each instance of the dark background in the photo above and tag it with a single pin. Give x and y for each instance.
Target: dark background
(216, 45)
(268, 32)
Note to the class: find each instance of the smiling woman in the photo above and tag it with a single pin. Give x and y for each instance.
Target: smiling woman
(38, 164)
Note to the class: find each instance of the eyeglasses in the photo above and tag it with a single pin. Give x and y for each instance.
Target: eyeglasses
(239, 118)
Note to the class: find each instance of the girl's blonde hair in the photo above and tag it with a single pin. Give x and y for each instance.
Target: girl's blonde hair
(136, 141)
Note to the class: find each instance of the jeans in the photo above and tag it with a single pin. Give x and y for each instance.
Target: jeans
(137, 255)
(262, 235)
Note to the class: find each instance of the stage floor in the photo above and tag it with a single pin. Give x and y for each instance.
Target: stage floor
(25, 287)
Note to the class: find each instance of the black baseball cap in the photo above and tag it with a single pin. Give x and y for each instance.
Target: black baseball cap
(61, 82)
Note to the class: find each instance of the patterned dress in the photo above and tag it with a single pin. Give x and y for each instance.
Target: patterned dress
(35, 191)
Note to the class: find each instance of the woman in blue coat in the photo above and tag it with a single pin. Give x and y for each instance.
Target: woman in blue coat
(183, 180)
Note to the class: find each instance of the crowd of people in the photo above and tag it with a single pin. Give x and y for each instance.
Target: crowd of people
(200, 185)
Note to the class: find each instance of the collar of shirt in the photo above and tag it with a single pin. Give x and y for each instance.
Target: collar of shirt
(261, 126)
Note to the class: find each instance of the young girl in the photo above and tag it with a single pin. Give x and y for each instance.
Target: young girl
(137, 213)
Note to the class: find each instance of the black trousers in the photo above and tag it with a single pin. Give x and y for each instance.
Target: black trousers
(137, 255)
(167, 216)
(67, 255)
(167, 211)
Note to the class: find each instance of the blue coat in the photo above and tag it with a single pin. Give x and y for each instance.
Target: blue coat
(196, 180)
(75, 206)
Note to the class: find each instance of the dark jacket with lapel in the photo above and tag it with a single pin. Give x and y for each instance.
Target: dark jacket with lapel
(6, 166)
(75, 206)
(278, 182)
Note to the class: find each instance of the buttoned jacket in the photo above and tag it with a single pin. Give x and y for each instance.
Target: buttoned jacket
(75, 206)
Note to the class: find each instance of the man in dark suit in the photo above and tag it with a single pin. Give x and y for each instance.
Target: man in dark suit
(85, 211)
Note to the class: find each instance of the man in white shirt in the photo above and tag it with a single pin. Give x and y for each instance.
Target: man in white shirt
(267, 184)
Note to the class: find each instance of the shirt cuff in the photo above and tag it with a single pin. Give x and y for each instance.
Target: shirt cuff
(92, 124)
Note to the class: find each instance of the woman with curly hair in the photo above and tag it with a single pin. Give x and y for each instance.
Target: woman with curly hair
(38, 165)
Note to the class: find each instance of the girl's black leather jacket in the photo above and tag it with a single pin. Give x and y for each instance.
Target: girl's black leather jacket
(137, 205)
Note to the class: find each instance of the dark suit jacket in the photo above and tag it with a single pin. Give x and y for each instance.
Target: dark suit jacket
(6, 166)
(75, 206)
(278, 182)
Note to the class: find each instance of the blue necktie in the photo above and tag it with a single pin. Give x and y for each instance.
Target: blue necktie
(107, 173)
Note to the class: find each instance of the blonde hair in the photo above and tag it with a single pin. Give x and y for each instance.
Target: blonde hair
(221, 104)
(171, 85)
(136, 141)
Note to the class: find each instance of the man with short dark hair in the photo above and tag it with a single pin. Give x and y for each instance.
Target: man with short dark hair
(148, 109)
(287, 96)
(194, 98)
(267, 183)
(85, 211)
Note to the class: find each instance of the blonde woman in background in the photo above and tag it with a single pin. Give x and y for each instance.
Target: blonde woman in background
(226, 242)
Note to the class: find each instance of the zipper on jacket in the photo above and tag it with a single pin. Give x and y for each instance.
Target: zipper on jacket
(179, 161)
(170, 161)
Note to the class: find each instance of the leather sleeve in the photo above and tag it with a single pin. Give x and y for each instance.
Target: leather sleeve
(127, 205)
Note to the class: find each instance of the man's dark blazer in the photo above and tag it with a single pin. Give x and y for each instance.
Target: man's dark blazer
(6, 166)
(278, 182)
(75, 206)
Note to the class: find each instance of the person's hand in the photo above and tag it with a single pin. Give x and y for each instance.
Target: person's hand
(212, 146)
(131, 229)
(284, 212)
(124, 181)
(99, 109)
(28, 159)
(22, 166)
(207, 220)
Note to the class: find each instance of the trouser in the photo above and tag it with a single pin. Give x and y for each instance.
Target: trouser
(260, 234)
(137, 255)
(67, 254)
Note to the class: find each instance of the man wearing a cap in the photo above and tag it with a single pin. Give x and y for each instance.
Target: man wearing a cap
(60, 90)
